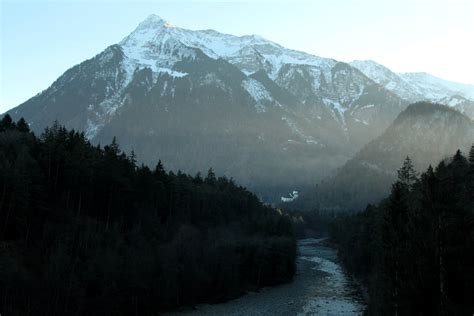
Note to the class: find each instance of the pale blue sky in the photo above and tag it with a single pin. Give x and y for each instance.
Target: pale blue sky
(42, 39)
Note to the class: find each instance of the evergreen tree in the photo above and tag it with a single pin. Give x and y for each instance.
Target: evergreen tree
(22, 126)
(407, 175)
(6, 123)
(471, 155)
(159, 171)
(211, 177)
(470, 179)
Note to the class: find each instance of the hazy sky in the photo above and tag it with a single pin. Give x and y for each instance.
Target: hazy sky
(42, 39)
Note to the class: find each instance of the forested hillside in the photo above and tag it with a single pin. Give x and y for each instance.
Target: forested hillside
(85, 231)
(415, 251)
(426, 132)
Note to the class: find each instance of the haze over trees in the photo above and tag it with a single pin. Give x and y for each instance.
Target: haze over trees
(84, 230)
(426, 132)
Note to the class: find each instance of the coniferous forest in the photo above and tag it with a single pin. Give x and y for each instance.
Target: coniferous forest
(84, 230)
(415, 251)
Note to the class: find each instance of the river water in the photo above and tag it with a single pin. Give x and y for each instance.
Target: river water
(320, 287)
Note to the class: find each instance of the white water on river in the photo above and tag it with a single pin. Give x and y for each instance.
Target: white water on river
(335, 294)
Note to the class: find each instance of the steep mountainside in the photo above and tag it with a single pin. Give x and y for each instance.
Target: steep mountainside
(266, 115)
(418, 86)
(427, 133)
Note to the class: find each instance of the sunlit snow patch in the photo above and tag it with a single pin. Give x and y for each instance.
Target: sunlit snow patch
(258, 92)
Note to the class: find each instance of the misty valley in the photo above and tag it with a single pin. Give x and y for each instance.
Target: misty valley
(194, 172)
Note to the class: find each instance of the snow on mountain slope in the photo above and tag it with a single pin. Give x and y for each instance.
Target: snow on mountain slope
(334, 99)
(159, 45)
(387, 78)
(325, 85)
(420, 86)
(258, 92)
(434, 87)
(249, 52)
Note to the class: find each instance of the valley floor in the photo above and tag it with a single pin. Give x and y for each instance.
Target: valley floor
(320, 287)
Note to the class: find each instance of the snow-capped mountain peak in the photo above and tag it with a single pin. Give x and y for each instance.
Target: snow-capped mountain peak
(154, 21)
(328, 87)
(248, 52)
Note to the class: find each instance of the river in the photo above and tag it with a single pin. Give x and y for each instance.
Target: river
(320, 287)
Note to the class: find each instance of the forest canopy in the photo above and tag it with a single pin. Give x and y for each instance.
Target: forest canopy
(85, 230)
